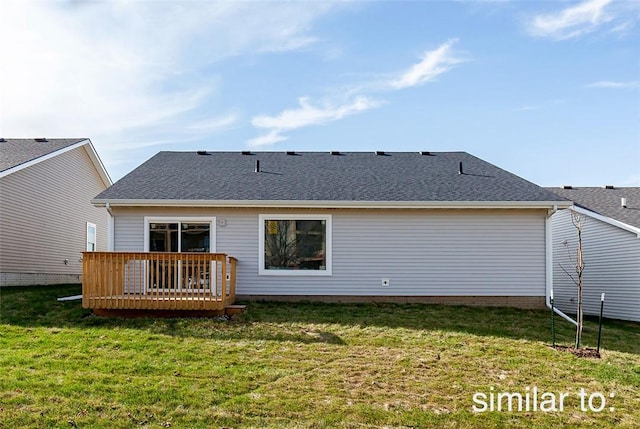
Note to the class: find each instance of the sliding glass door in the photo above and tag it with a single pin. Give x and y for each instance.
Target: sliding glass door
(180, 236)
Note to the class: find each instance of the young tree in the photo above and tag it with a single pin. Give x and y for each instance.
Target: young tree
(281, 243)
(289, 243)
(577, 259)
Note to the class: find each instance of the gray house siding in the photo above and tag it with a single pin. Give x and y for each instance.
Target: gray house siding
(43, 216)
(612, 266)
(482, 253)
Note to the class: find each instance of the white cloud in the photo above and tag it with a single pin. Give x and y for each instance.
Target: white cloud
(540, 106)
(123, 71)
(573, 21)
(615, 85)
(213, 124)
(529, 107)
(268, 139)
(308, 114)
(293, 44)
(304, 116)
(433, 64)
(623, 28)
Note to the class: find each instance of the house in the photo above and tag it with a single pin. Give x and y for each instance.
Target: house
(440, 227)
(46, 218)
(611, 249)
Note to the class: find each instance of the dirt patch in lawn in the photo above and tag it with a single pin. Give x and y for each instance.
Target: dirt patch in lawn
(581, 352)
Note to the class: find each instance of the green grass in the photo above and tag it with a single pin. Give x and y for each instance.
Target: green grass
(300, 365)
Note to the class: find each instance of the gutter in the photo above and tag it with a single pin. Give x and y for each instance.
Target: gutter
(334, 204)
(549, 265)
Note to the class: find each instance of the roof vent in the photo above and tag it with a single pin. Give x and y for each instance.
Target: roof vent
(425, 153)
(567, 187)
(257, 170)
(609, 187)
(246, 152)
(623, 203)
(460, 170)
(291, 152)
(202, 152)
(42, 140)
(2, 140)
(380, 153)
(335, 152)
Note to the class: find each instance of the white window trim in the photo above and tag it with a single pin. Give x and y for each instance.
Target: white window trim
(295, 216)
(181, 219)
(177, 219)
(86, 241)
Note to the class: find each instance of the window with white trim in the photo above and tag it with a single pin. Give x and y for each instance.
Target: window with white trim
(295, 244)
(92, 233)
(188, 234)
(179, 234)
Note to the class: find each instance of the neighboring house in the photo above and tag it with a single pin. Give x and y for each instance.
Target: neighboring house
(611, 249)
(46, 218)
(426, 227)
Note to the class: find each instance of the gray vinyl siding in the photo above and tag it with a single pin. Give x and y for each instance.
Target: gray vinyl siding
(43, 214)
(128, 231)
(612, 266)
(422, 252)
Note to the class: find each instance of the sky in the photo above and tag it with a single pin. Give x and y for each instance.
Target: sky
(548, 90)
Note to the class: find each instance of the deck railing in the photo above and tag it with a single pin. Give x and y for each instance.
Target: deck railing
(158, 280)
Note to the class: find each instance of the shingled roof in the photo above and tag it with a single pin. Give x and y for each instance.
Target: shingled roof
(15, 152)
(606, 201)
(225, 177)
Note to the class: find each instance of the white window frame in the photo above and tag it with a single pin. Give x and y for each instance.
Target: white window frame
(95, 237)
(296, 216)
(179, 220)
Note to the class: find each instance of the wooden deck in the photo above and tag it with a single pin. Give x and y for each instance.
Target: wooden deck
(158, 281)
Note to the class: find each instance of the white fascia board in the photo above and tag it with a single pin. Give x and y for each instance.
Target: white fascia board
(607, 219)
(93, 155)
(43, 158)
(337, 204)
(97, 162)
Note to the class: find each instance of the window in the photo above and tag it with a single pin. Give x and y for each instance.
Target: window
(295, 244)
(91, 237)
(183, 235)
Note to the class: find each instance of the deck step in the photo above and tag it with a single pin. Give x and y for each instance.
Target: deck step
(230, 310)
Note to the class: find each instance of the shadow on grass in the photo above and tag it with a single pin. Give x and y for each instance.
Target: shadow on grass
(307, 322)
(37, 306)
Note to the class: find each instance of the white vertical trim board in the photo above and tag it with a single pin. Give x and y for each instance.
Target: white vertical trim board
(110, 233)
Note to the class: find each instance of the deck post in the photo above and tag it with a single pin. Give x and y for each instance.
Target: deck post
(223, 283)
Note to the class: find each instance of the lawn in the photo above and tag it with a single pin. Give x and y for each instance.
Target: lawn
(306, 366)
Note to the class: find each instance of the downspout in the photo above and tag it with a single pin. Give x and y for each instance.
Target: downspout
(110, 229)
(549, 265)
